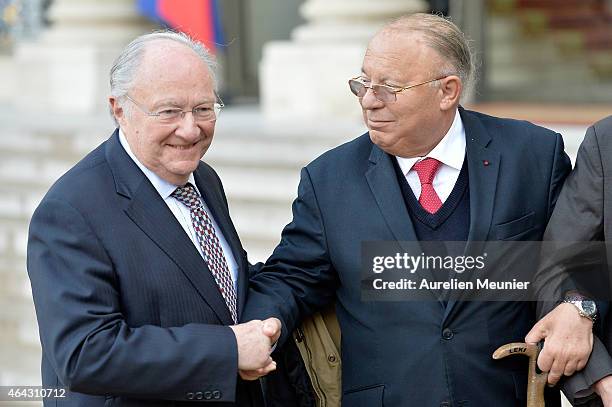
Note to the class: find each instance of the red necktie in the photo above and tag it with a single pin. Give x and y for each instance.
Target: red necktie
(426, 170)
(209, 242)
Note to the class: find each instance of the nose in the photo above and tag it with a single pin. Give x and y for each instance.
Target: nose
(188, 127)
(369, 101)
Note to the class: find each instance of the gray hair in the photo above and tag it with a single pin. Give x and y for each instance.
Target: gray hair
(444, 37)
(123, 71)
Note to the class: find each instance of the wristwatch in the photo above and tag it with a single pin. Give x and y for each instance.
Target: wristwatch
(586, 307)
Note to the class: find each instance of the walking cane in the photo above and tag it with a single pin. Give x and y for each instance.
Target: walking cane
(536, 380)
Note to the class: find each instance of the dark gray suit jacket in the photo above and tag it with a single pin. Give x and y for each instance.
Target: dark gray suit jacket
(580, 216)
(413, 353)
(128, 311)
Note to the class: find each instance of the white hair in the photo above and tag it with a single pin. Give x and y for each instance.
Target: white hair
(123, 71)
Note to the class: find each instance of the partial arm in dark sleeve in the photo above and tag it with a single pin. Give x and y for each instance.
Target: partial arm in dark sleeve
(578, 217)
(298, 279)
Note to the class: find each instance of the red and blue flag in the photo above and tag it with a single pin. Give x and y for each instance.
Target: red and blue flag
(198, 18)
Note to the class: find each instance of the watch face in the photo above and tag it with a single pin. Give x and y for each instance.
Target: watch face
(588, 307)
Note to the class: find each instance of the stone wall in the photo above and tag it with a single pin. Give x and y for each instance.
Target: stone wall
(34, 152)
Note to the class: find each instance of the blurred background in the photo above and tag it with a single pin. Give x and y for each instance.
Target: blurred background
(283, 69)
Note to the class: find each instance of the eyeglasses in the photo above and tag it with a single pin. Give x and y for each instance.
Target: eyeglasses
(383, 93)
(205, 112)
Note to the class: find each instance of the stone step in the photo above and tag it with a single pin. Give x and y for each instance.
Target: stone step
(13, 239)
(258, 250)
(15, 282)
(18, 201)
(262, 153)
(18, 321)
(258, 220)
(23, 168)
(258, 184)
(20, 365)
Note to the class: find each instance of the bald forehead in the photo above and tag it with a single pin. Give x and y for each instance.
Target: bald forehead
(394, 43)
(397, 39)
(399, 58)
(397, 45)
(165, 59)
(162, 50)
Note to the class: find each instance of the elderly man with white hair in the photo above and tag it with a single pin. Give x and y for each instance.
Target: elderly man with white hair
(137, 272)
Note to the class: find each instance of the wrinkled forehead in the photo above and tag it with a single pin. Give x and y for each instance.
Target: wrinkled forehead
(398, 54)
(163, 53)
(395, 42)
(167, 63)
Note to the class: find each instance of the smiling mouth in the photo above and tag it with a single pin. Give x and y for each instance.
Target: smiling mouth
(377, 123)
(182, 147)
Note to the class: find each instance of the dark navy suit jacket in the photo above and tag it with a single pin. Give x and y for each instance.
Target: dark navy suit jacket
(413, 353)
(129, 313)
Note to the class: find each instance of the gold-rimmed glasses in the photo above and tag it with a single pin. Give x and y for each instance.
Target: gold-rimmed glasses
(383, 93)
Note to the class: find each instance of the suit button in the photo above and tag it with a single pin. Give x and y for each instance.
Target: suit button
(207, 395)
(199, 395)
(189, 396)
(447, 334)
(445, 404)
(216, 394)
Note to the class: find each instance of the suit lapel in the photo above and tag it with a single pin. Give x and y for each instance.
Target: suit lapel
(207, 185)
(151, 214)
(483, 168)
(383, 183)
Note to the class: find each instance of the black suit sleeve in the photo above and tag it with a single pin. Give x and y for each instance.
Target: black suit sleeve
(298, 279)
(85, 336)
(578, 217)
(550, 283)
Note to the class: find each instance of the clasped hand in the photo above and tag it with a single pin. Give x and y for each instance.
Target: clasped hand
(255, 340)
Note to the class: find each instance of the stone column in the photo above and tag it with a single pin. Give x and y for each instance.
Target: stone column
(66, 68)
(307, 76)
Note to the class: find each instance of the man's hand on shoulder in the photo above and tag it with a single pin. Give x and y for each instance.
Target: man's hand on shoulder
(255, 340)
(568, 341)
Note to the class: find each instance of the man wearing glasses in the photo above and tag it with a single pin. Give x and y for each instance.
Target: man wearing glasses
(137, 272)
(427, 170)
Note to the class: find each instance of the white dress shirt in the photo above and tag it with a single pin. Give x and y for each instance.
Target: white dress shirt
(181, 212)
(450, 151)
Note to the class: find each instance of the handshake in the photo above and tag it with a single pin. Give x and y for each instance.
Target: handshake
(255, 340)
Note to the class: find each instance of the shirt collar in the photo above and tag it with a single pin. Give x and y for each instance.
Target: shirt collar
(163, 187)
(449, 151)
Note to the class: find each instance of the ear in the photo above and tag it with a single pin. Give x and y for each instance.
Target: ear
(116, 110)
(450, 90)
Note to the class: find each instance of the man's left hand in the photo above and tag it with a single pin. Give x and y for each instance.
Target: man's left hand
(568, 341)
